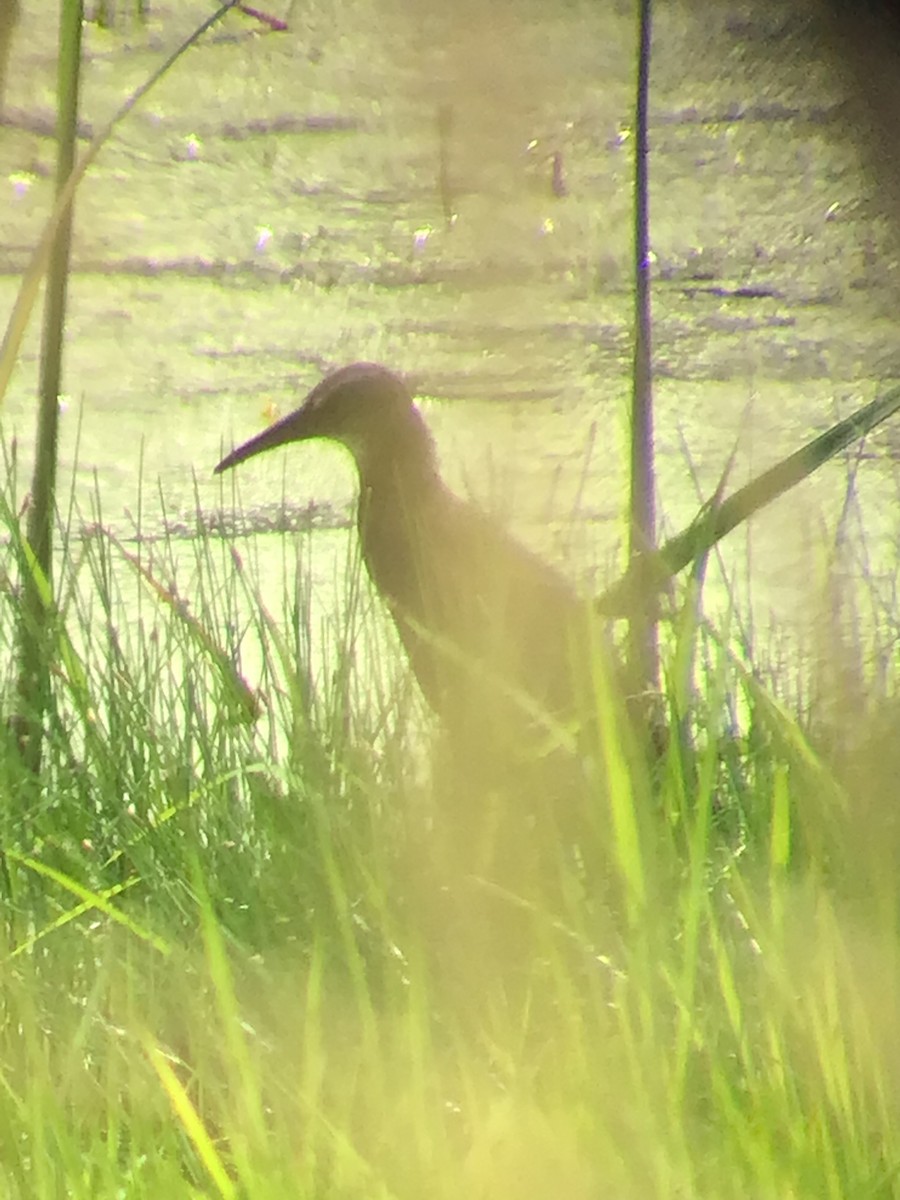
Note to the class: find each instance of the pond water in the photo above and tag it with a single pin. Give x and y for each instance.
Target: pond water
(276, 208)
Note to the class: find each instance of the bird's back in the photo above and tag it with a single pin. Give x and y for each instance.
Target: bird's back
(493, 633)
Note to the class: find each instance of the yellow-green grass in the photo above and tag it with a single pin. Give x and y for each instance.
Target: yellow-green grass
(245, 956)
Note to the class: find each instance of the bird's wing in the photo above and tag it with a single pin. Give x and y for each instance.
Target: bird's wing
(505, 608)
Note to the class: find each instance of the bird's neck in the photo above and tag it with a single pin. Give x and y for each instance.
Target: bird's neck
(399, 485)
(398, 468)
(397, 492)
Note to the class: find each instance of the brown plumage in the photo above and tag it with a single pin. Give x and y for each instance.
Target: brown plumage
(497, 639)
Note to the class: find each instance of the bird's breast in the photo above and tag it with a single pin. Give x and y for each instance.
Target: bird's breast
(477, 613)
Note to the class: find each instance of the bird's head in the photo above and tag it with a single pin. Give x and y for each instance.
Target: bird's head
(365, 407)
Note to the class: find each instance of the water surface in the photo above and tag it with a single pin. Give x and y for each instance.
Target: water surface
(274, 210)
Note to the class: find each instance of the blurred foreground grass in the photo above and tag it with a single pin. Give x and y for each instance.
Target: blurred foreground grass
(248, 952)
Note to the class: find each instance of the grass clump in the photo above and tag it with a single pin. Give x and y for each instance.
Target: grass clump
(248, 954)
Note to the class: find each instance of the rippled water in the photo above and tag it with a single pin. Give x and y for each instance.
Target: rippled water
(274, 209)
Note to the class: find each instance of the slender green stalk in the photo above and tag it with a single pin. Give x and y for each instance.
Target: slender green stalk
(643, 648)
(719, 519)
(33, 677)
(52, 256)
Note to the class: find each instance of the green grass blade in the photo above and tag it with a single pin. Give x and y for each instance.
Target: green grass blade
(716, 521)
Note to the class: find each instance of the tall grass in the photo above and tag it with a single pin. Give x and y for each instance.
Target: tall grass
(239, 962)
(51, 257)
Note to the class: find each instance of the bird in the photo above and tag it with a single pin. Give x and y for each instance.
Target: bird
(501, 644)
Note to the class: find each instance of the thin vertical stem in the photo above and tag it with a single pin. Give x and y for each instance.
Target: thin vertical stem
(34, 675)
(643, 644)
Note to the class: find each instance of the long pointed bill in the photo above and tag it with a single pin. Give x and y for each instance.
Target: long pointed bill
(293, 428)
